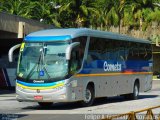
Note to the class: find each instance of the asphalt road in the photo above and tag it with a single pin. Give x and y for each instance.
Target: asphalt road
(12, 109)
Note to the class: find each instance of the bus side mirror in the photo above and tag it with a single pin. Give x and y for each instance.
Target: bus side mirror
(11, 50)
(69, 49)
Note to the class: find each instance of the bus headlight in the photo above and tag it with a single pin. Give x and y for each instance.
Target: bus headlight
(19, 87)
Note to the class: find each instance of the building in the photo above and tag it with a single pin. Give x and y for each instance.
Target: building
(12, 30)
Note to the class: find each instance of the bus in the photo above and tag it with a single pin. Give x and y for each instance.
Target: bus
(81, 64)
(7, 69)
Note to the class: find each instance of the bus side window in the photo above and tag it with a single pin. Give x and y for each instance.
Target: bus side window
(148, 54)
(81, 49)
(75, 62)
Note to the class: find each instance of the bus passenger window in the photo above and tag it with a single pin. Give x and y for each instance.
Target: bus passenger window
(74, 62)
(81, 49)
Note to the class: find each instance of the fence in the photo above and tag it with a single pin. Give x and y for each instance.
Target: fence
(133, 115)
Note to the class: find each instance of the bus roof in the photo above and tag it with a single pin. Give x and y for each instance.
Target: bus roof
(70, 33)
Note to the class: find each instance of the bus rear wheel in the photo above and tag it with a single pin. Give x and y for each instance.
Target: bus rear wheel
(135, 94)
(45, 104)
(89, 96)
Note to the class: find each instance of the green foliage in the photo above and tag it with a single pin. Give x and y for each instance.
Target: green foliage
(79, 12)
(45, 12)
(155, 38)
(155, 16)
(17, 7)
(136, 14)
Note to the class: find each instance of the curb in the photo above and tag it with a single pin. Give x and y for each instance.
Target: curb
(156, 79)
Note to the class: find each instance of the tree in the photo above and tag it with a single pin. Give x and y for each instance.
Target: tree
(45, 11)
(112, 12)
(18, 7)
(140, 10)
(155, 15)
(79, 12)
(97, 14)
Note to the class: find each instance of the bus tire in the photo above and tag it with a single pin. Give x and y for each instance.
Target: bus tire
(89, 96)
(45, 104)
(135, 93)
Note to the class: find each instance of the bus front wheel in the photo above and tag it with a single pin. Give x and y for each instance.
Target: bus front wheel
(45, 104)
(89, 96)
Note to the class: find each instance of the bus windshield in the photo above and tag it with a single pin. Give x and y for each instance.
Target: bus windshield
(43, 61)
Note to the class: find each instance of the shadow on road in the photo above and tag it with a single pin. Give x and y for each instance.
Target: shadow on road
(56, 106)
(11, 116)
(6, 91)
(119, 99)
(147, 96)
(76, 105)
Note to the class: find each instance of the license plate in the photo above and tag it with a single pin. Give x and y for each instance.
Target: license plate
(38, 97)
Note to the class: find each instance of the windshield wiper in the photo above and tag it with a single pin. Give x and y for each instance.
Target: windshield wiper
(41, 63)
(32, 70)
(40, 66)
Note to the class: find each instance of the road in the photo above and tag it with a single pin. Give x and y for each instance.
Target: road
(12, 109)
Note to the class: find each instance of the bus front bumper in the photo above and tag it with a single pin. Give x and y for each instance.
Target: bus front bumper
(59, 95)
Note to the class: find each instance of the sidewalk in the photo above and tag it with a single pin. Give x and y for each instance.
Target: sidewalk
(155, 78)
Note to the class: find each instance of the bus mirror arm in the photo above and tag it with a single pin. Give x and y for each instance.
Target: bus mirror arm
(11, 50)
(69, 49)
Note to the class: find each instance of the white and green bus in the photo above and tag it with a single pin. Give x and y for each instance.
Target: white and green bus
(79, 64)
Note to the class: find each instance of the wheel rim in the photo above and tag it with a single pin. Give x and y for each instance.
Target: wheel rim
(136, 90)
(88, 96)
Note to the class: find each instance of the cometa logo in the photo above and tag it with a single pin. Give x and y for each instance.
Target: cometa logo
(40, 81)
(112, 67)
